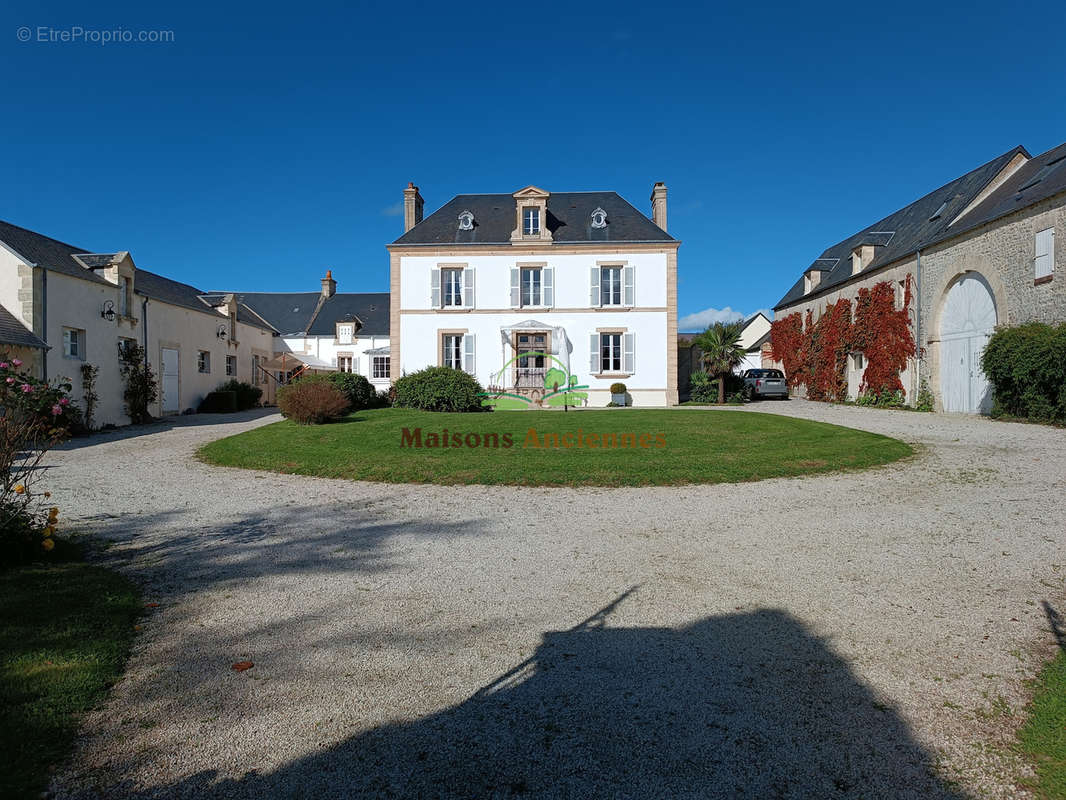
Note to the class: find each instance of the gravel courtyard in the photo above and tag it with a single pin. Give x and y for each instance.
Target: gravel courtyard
(849, 635)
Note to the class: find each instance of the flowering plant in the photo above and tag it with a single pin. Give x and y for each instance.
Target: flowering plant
(35, 415)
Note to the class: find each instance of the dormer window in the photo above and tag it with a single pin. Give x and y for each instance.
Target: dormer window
(466, 221)
(530, 221)
(599, 218)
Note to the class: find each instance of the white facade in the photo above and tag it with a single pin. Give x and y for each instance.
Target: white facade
(68, 313)
(571, 309)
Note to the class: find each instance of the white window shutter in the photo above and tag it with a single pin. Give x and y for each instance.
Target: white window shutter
(594, 290)
(468, 353)
(468, 288)
(434, 288)
(594, 353)
(355, 365)
(627, 353)
(627, 286)
(1044, 263)
(516, 287)
(548, 287)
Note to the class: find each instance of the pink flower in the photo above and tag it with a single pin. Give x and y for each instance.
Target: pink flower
(17, 362)
(10, 380)
(64, 401)
(26, 388)
(57, 410)
(3, 365)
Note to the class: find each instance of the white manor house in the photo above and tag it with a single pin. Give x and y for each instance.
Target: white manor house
(578, 279)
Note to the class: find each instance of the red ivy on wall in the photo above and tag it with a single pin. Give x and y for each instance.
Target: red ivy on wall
(815, 354)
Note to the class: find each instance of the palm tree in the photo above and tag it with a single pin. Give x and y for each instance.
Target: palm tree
(722, 353)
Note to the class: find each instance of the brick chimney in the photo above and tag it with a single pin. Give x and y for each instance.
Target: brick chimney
(412, 207)
(658, 204)
(329, 286)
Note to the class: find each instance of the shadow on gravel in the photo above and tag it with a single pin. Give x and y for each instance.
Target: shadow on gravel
(1058, 628)
(743, 705)
(164, 424)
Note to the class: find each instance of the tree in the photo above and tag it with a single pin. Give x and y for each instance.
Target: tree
(141, 387)
(722, 353)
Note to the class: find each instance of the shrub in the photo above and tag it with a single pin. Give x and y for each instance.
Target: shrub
(34, 416)
(1026, 366)
(218, 402)
(312, 400)
(887, 399)
(618, 388)
(141, 387)
(703, 387)
(439, 389)
(247, 395)
(383, 399)
(356, 388)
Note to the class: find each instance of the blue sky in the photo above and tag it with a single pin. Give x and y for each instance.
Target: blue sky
(262, 146)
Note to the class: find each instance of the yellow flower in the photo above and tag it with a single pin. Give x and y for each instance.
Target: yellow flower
(20, 489)
(53, 512)
(48, 544)
(48, 531)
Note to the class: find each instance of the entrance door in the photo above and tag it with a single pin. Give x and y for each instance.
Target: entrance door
(171, 381)
(966, 324)
(531, 364)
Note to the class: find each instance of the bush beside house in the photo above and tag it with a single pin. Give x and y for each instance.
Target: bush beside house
(312, 400)
(1026, 366)
(439, 389)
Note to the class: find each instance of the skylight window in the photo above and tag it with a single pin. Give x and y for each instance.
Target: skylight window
(1046, 170)
(936, 214)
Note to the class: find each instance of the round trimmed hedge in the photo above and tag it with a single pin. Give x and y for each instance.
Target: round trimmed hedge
(356, 388)
(439, 389)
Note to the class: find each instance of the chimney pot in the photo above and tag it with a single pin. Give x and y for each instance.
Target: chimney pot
(658, 204)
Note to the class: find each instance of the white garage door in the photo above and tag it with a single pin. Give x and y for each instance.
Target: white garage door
(966, 323)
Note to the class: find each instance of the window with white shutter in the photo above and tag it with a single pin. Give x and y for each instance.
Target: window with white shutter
(434, 288)
(1044, 263)
(627, 290)
(516, 287)
(594, 287)
(628, 353)
(548, 289)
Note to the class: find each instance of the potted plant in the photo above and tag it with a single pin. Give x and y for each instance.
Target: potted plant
(618, 394)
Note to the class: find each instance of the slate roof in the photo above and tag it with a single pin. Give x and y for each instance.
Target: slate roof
(58, 256)
(14, 332)
(372, 309)
(569, 218)
(913, 227)
(46, 252)
(301, 314)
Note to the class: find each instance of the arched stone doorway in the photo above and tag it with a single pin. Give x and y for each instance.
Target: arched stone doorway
(967, 318)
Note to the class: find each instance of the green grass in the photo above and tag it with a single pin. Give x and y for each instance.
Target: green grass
(699, 447)
(65, 631)
(1043, 737)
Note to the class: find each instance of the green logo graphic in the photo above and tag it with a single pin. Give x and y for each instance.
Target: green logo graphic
(557, 388)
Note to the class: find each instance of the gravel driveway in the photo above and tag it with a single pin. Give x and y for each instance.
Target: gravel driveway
(853, 635)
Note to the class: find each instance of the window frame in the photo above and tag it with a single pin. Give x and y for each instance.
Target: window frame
(376, 370)
(531, 222)
(457, 350)
(611, 352)
(203, 362)
(345, 362)
(606, 269)
(342, 337)
(75, 337)
(1047, 234)
(450, 291)
(525, 291)
(231, 366)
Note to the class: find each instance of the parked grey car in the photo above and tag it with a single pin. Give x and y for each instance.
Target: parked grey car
(760, 383)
